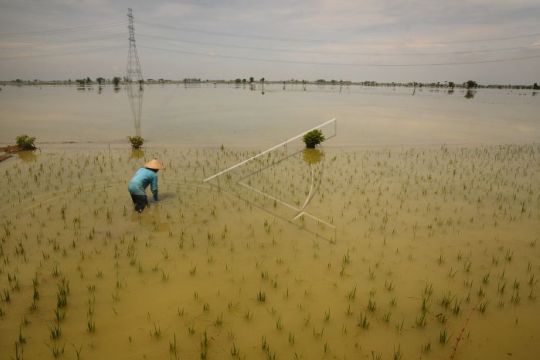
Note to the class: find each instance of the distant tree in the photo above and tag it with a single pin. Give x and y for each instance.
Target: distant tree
(238, 81)
(451, 84)
(88, 80)
(536, 87)
(244, 81)
(262, 80)
(251, 80)
(100, 80)
(469, 84)
(116, 81)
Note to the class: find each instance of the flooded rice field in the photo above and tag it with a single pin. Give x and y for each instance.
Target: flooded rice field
(435, 256)
(395, 250)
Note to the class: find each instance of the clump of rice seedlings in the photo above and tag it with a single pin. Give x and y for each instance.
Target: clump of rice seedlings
(219, 321)
(235, 352)
(6, 297)
(279, 324)
(363, 321)
(291, 339)
(56, 350)
(376, 355)
(327, 316)
(261, 296)
(352, 294)
(420, 320)
(91, 325)
(389, 285)
(204, 346)
(515, 298)
(481, 293)
(156, 332)
(397, 355)
(371, 274)
(387, 316)
(482, 307)
(440, 260)
(372, 305)
(426, 348)
(55, 331)
(441, 318)
(446, 300)
(173, 350)
(443, 337)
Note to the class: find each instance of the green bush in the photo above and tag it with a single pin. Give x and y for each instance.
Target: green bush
(313, 138)
(25, 142)
(136, 141)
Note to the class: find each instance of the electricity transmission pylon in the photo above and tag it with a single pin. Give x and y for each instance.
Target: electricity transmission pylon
(134, 77)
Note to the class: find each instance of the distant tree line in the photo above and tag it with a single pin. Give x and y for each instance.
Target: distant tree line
(116, 81)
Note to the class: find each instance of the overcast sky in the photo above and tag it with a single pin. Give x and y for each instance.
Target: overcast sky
(490, 41)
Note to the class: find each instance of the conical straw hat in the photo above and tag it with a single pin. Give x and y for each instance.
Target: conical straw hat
(154, 164)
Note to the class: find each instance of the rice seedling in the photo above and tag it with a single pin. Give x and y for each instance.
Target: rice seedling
(291, 338)
(156, 332)
(55, 331)
(420, 320)
(91, 326)
(372, 305)
(173, 349)
(397, 355)
(482, 306)
(363, 322)
(426, 348)
(443, 337)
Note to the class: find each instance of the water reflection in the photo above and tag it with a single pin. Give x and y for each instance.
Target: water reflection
(313, 156)
(137, 154)
(469, 94)
(27, 156)
(135, 95)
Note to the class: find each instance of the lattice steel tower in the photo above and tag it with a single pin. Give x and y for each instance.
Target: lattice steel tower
(134, 77)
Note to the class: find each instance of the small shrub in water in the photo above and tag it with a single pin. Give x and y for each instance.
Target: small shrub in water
(313, 138)
(25, 142)
(136, 141)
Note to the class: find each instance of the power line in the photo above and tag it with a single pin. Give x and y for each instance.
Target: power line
(56, 54)
(292, 39)
(64, 29)
(75, 41)
(291, 50)
(341, 64)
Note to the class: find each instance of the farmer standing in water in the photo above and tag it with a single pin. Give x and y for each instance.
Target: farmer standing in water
(145, 176)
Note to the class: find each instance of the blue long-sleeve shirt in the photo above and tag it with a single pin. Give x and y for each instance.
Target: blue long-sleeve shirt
(140, 181)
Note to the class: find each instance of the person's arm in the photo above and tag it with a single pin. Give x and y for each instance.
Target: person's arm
(154, 187)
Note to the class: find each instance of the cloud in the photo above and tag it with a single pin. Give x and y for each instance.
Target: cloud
(169, 10)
